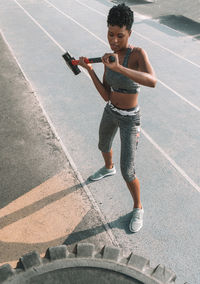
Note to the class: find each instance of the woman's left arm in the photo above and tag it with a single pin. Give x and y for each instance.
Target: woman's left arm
(146, 70)
(145, 74)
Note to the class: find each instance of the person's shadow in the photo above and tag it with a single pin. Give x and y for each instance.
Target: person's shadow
(86, 230)
(89, 231)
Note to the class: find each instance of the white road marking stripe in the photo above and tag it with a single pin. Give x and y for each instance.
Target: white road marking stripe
(172, 162)
(48, 34)
(146, 38)
(90, 8)
(172, 90)
(36, 22)
(70, 18)
(180, 96)
(180, 170)
(167, 49)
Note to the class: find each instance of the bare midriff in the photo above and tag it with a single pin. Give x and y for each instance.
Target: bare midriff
(124, 101)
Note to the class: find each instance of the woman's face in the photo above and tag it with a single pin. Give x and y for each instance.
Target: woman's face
(118, 37)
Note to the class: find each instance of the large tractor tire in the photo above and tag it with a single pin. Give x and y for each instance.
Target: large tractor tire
(84, 265)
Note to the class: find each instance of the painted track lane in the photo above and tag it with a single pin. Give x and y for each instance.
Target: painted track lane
(80, 128)
(188, 122)
(187, 166)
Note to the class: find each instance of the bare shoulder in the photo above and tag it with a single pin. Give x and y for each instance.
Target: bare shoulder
(139, 52)
(140, 56)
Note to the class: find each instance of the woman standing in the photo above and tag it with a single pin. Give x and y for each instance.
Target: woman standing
(120, 88)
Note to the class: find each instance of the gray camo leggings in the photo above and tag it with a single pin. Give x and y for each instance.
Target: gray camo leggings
(129, 127)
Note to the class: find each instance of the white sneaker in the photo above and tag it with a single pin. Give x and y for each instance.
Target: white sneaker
(136, 222)
(103, 172)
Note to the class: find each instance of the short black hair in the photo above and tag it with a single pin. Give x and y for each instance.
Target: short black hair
(121, 15)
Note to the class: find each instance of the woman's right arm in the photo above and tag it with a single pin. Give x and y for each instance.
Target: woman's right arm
(102, 88)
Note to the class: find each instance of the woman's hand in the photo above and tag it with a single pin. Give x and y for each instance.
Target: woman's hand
(82, 63)
(111, 65)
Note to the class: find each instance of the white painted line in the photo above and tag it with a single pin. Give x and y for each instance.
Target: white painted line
(172, 162)
(165, 85)
(29, 15)
(68, 156)
(179, 95)
(47, 34)
(90, 8)
(194, 35)
(180, 170)
(70, 18)
(146, 38)
(169, 50)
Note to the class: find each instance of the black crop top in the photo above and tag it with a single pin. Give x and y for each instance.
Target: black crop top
(120, 83)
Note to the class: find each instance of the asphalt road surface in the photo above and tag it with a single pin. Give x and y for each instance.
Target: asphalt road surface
(168, 158)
